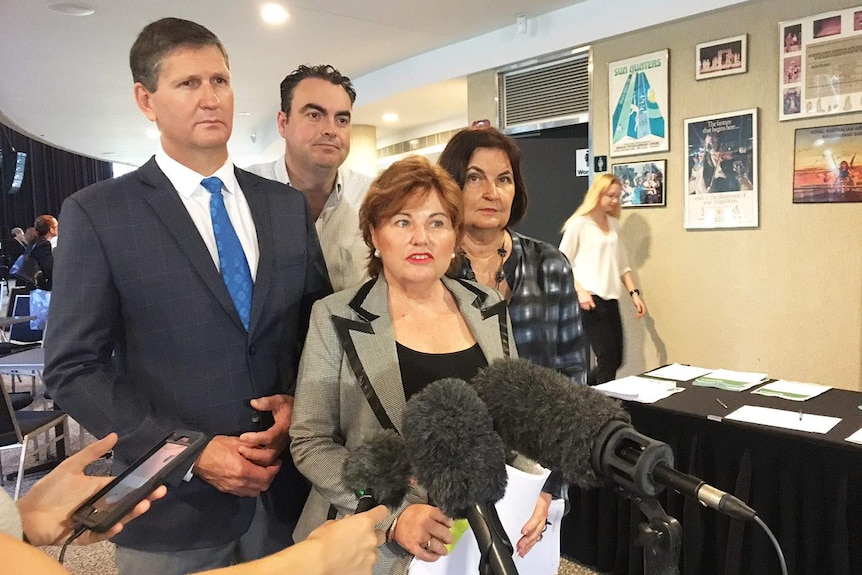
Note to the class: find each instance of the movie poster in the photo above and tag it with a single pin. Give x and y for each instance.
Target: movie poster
(826, 167)
(639, 116)
(721, 178)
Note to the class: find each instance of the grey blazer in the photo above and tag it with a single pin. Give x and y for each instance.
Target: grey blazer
(143, 337)
(349, 355)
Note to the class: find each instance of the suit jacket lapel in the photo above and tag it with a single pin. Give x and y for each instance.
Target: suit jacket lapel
(369, 344)
(166, 202)
(487, 322)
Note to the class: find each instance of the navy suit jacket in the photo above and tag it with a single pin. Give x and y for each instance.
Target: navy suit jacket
(143, 337)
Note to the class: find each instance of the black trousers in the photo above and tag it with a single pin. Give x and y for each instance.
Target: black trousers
(604, 330)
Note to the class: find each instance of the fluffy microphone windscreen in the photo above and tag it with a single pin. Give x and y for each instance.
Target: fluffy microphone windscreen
(545, 416)
(456, 454)
(379, 465)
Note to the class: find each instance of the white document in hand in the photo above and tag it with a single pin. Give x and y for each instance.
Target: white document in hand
(516, 507)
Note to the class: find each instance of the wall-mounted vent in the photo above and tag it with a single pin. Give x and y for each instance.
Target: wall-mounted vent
(547, 94)
(421, 143)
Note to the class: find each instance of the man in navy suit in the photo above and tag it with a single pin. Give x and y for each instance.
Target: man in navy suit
(145, 335)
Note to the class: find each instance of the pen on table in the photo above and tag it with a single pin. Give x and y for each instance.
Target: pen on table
(800, 414)
(721, 403)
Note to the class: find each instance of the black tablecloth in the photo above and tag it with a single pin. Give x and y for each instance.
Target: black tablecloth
(806, 487)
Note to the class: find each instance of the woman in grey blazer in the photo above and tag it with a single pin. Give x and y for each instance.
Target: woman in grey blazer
(370, 348)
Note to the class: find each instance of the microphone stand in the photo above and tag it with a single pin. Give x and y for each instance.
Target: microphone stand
(494, 546)
(629, 458)
(661, 538)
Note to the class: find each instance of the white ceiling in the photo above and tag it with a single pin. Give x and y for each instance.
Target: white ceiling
(65, 80)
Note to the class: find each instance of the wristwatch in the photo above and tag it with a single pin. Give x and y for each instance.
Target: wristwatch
(635, 291)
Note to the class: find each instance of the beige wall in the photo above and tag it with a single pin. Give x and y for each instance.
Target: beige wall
(785, 298)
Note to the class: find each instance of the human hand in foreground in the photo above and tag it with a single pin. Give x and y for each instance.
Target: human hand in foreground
(46, 509)
(344, 547)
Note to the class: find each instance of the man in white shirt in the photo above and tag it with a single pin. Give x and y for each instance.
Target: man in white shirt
(316, 105)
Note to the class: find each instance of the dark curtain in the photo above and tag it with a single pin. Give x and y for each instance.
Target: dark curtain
(51, 176)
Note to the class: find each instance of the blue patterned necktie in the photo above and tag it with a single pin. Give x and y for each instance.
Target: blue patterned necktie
(234, 266)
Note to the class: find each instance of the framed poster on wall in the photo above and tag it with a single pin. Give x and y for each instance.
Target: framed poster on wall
(818, 65)
(721, 57)
(824, 164)
(643, 184)
(721, 177)
(639, 119)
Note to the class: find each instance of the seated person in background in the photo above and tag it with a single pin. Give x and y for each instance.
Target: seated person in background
(17, 246)
(43, 514)
(378, 344)
(39, 247)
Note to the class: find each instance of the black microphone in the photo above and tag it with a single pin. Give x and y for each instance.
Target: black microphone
(461, 461)
(585, 435)
(378, 471)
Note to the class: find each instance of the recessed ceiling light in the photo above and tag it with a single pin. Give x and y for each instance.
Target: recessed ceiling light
(244, 113)
(273, 14)
(390, 117)
(153, 133)
(72, 9)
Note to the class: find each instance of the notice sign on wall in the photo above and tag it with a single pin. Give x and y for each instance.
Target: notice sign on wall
(582, 163)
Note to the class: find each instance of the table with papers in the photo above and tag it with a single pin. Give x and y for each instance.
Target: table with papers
(802, 476)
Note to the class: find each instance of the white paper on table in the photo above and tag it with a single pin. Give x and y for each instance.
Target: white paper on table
(514, 509)
(640, 389)
(784, 419)
(792, 390)
(678, 372)
(856, 437)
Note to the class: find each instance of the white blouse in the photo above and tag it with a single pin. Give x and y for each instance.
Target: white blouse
(598, 259)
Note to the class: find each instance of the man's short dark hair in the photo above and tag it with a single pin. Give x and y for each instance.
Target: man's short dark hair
(162, 37)
(322, 72)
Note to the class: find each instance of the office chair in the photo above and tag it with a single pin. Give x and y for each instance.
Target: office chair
(19, 428)
(20, 399)
(21, 332)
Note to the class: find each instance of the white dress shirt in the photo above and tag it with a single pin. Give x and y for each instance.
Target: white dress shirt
(337, 225)
(197, 201)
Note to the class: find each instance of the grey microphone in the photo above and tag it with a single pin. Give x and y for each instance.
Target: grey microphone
(585, 435)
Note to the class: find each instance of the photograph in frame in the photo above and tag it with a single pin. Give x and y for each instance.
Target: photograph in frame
(721, 189)
(825, 166)
(642, 183)
(638, 105)
(818, 61)
(721, 57)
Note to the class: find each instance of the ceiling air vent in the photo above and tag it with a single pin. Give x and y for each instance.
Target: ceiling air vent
(545, 95)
